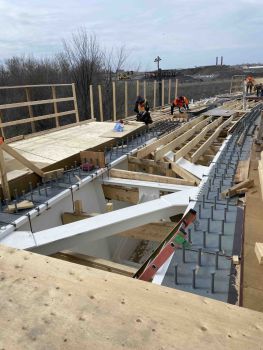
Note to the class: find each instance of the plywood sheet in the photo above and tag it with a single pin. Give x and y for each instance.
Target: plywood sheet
(51, 304)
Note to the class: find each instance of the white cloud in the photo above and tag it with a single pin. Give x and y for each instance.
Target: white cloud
(184, 33)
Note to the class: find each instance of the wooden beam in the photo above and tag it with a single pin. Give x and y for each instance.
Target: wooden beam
(126, 99)
(92, 115)
(114, 100)
(163, 92)
(155, 232)
(96, 158)
(190, 145)
(177, 169)
(242, 170)
(4, 181)
(48, 175)
(54, 96)
(124, 174)
(144, 89)
(96, 263)
(100, 103)
(232, 191)
(137, 87)
(34, 103)
(36, 118)
(120, 193)
(169, 92)
(30, 110)
(203, 148)
(145, 151)
(176, 88)
(12, 152)
(177, 142)
(1, 125)
(259, 252)
(75, 102)
(154, 94)
(20, 206)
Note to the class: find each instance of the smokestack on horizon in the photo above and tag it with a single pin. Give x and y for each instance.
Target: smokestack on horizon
(216, 60)
(222, 60)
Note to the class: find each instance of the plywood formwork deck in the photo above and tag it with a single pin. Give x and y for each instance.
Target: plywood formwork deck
(50, 148)
(51, 304)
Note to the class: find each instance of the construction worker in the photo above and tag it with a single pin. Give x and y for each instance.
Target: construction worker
(258, 89)
(250, 83)
(119, 126)
(180, 102)
(142, 109)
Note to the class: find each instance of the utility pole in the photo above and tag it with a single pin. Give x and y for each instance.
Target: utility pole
(158, 59)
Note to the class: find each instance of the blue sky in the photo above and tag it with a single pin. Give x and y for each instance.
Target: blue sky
(183, 33)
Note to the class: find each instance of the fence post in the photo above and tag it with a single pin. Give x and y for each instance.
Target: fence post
(162, 92)
(144, 89)
(154, 93)
(176, 88)
(100, 103)
(54, 96)
(75, 102)
(169, 91)
(114, 100)
(91, 102)
(137, 88)
(5, 186)
(30, 110)
(126, 98)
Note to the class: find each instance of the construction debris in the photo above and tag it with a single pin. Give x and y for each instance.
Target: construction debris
(12, 208)
(233, 191)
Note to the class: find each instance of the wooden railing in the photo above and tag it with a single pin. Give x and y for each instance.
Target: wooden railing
(31, 118)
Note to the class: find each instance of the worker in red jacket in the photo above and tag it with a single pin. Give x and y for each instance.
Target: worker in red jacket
(180, 102)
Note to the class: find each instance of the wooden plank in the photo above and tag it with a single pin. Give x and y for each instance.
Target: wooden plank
(203, 148)
(114, 100)
(144, 89)
(177, 169)
(94, 157)
(92, 115)
(54, 96)
(4, 181)
(163, 92)
(259, 252)
(100, 103)
(169, 92)
(34, 103)
(37, 118)
(21, 159)
(154, 93)
(52, 174)
(124, 174)
(75, 102)
(181, 139)
(190, 145)
(137, 87)
(1, 123)
(167, 138)
(96, 263)
(30, 86)
(232, 191)
(155, 232)
(242, 171)
(176, 88)
(120, 193)
(54, 304)
(20, 206)
(30, 110)
(126, 99)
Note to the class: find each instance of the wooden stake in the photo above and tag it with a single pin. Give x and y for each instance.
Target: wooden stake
(137, 87)
(91, 102)
(1, 121)
(163, 92)
(30, 110)
(114, 100)
(54, 96)
(144, 89)
(126, 98)
(154, 93)
(100, 103)
(75, 102)
(176, 88)
(5, 186)
(169, 91)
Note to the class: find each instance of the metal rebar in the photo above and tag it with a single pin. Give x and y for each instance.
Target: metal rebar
(193, 279)
(212, 282)
(176, 274)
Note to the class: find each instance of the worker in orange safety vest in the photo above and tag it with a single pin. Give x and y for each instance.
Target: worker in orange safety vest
(180, 102)
(250, 83)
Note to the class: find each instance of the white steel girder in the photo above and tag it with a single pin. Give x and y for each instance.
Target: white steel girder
(72, 235)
